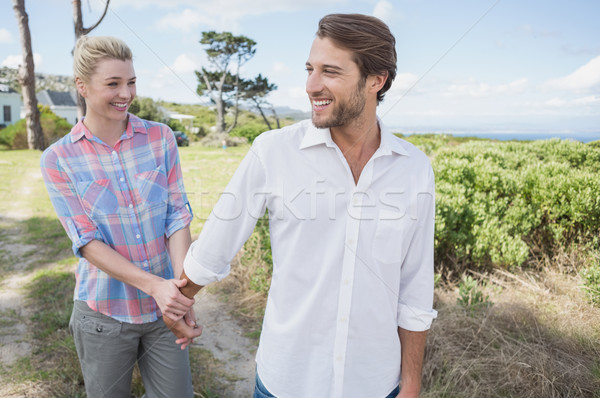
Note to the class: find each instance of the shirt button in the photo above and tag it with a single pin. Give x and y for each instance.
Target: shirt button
(138, 236)
(121, 179)
(339, 358)
(351, 242)
(346, 282)
(130, 206)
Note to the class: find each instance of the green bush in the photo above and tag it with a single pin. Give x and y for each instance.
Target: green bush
(249, 131)
(501, 203)
(470, 296)
(53, 126)
(591, 282)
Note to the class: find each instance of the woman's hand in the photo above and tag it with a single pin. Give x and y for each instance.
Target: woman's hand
(172, 303)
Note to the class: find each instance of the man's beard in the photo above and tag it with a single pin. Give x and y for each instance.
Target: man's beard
(344, 112)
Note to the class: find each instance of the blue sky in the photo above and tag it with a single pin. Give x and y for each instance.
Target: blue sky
(463, 64)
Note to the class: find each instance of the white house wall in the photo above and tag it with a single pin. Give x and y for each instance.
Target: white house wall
(14, 101)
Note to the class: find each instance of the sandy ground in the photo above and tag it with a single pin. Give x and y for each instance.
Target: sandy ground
(224, 337)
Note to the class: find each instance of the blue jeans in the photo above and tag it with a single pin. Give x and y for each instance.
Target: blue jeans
(261, 392)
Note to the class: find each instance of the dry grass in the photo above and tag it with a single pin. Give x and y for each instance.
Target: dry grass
(539, 339)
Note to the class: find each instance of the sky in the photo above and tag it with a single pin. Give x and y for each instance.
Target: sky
(489, 65)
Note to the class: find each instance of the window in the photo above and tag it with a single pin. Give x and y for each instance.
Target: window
(7, 117)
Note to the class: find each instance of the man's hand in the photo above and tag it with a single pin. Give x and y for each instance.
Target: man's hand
(172, 303)
(405, 394)
(185, 332)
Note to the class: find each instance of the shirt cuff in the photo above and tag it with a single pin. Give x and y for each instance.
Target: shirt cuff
(415, 319)
(80, 240)
(198, 273)
(178, 220)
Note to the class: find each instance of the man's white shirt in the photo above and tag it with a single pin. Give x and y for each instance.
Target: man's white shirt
(351, 262)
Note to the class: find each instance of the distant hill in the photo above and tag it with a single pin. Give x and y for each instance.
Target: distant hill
(42, 81)
(282, 112)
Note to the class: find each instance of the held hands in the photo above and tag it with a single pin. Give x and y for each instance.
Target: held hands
(185, 329)
(172, 303)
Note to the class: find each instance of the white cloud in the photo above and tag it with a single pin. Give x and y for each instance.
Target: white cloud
(184, 64)
(186, 21)
(383, 10)
(222, 15)
(473, 88)
(13, 61)
(404, 81)
(5, 36)
(574, 103)
(298, 92)
(280, 67)
(584, 78)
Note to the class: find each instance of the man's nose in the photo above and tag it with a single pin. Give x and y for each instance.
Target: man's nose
(314, 83)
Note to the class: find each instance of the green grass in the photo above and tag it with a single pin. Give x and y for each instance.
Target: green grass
(53, 362)
(469, 353)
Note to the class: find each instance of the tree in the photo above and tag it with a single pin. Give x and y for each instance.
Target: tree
(220, 84)
(147, 108)
(255, 91)
(35, 135)
(80, 31)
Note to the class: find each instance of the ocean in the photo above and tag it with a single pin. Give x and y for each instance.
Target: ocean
(583, 136)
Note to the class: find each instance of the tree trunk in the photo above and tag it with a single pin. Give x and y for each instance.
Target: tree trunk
(220, 104)
(237, 98)
(35, 135)
(276, 117)
(80, 31)
(257, 104)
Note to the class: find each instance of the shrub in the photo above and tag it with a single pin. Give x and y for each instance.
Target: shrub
(249, 131)
(502, 203)
(470, 296)
(591, 282)
(53, 126)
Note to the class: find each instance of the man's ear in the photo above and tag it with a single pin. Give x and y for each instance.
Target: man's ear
(81, 89)
(376, 82)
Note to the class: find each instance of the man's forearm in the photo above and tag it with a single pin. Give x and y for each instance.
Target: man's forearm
(413, 349)
(190, 289)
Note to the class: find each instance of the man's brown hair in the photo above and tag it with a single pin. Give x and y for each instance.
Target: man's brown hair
(370, 40)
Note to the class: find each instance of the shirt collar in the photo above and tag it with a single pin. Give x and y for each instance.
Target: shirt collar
(389, 142)
(316, 136)
(134, 125)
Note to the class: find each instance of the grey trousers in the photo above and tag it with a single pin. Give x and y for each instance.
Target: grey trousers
(108, 350)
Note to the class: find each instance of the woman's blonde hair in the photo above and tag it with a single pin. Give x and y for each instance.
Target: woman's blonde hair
(89, 50)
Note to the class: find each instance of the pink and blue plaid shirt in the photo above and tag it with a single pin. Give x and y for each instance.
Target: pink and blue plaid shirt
(130, 197)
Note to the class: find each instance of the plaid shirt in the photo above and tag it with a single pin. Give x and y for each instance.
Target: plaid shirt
(130, 197)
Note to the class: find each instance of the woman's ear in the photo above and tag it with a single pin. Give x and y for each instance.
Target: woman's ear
(81, 89)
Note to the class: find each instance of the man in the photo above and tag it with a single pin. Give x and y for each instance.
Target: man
(351, 212)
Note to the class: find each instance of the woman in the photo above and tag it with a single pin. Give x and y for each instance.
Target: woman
(115, 182)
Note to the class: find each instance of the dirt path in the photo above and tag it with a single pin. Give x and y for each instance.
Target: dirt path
(222, 335)
(225, 339)
(13, 312)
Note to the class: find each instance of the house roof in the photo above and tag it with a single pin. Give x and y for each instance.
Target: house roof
(57, 98)
(4, 88)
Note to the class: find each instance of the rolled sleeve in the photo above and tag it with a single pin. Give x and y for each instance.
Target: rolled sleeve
(179, 211)
(415, 304)
(78, 226)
